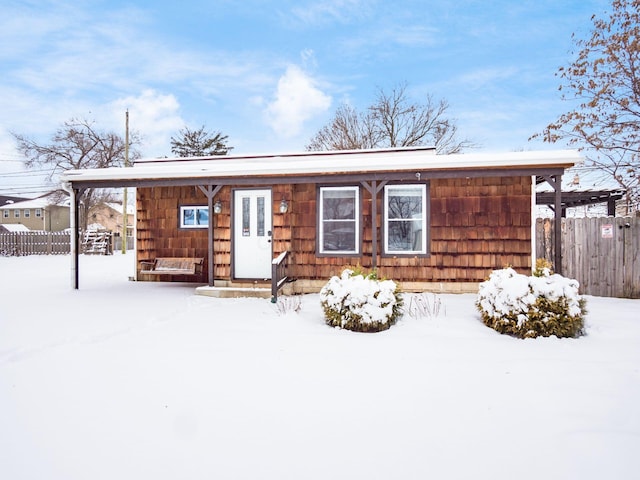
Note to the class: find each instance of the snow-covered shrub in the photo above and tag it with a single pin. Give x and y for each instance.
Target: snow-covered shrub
(360, 302)
(544, 304)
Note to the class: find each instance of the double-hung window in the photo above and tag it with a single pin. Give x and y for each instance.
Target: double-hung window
(16, 213)
(405, 219)
(27, 213)
(339, 214)
(38, 212)
(5, 213)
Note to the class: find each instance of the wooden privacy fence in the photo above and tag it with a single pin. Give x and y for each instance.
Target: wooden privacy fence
(34, 243)
(601, 253)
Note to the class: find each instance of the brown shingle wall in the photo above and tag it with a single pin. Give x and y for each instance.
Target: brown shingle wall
(477, 225)
(157, 229)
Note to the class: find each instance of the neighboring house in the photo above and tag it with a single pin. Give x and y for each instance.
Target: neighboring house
(108, 216)
(11, 227)
(49, 212)
(439, 222)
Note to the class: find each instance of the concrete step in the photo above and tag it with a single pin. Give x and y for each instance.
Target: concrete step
(234, 292)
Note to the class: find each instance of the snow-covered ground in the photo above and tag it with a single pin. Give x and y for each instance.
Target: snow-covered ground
(124, 380)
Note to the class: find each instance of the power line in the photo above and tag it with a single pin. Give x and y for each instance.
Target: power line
(23, 173)
(24, 185)
(26, 193)
(27, 171)
(10, 154)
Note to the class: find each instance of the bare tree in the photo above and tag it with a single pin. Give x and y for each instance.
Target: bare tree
(347, 131)
(392, 121)
(77, 144)
(604, 83)
(199, 143)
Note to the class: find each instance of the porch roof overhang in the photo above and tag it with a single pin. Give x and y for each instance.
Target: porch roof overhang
(404, 164)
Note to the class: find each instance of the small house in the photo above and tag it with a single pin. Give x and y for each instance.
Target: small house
(431, 222)
(48, 212)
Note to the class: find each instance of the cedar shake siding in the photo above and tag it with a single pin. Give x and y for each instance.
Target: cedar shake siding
(157, 229)
(475, 225)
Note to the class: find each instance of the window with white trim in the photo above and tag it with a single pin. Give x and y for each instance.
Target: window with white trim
(5, 213)
(405, 219)
(339, 214)
(38, 212)
(27, 213)
(16, 213)
(194, 216)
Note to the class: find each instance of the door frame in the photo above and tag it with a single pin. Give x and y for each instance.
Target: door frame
(234, 229)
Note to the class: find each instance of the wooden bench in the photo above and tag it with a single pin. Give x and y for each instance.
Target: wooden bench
(172, 266)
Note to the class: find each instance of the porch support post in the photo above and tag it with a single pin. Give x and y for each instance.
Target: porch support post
(556, 182)
(374, 188)
(76, 194)
(210, 192)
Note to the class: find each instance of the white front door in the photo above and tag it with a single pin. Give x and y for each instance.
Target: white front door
(252, 252)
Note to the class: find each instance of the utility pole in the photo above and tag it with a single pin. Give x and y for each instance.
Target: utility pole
(125, 219)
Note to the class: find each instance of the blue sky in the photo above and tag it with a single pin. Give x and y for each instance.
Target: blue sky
(269, 74)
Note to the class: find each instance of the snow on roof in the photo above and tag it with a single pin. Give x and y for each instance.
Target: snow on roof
(14, 227)
(131, 209)
(34, 203)
(39, 202)
(323, 163)
(297, 155)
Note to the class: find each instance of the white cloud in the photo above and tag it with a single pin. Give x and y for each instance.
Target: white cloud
(308, 57)
(154, 115)
(490, 76)
(297, 100)
(330, 11)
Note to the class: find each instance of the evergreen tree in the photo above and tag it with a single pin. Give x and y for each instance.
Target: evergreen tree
(199, 143)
